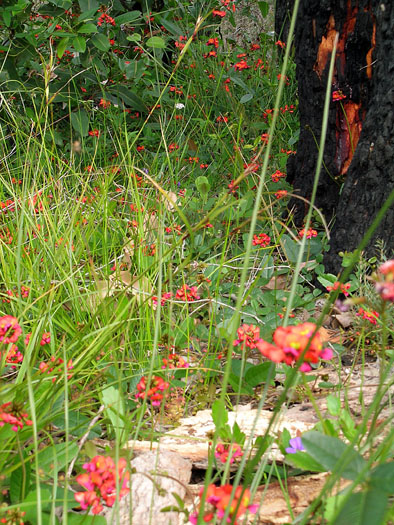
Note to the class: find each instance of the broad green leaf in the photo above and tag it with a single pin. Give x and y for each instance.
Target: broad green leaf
(62, 46)
(87, 28)
(85, 519)
(290, 247)
(334, 405)
(29, 505)
(264, 8)
(114, 407)
(219, 413)
(79, 44)
(7, 18)
(327, 280)
(88, 5)
(87, 15)
(246, 98)
(64, 4)
(126, 18)
(257, 374)
(156, 42)
(101, 42)
(202, 185)
(382, 477)
(56, 456)
(129, 98)
(238, 368)
(20, 479)
(80, 122)
(361, 508)
(172, 28)
(135, 37)
(330, 452)
(305, 461)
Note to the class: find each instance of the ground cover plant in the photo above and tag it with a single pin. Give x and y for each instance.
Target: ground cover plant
(150, 269)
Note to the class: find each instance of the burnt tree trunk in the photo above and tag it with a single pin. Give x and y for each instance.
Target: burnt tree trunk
(358, 171)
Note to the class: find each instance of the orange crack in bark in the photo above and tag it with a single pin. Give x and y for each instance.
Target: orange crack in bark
(325, 47)
(349, 126)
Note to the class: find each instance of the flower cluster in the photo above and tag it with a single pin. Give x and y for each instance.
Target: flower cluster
(55, 365)
(248, 335)
(367, 315)
(174, 361)
(219, 500)
(342, 287)
(106, 19)
(290, 344)
(164, 298)
(13, 414)
(223, 451)
(155, 392)
(9, 329)
(100, 483)
(385, 286)
(187, 293)
(261, 239)
(308, 233)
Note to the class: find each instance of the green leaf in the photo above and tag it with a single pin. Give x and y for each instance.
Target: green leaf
(80, 122)
(79, 44)
(330, 452)
(219, 413)
(202, 185)
(126, 18)
(64, 4)
(327, 279)
(135, 37)
(101, 42)
(85, 519)
(246, 98)
(362, 508)
(29, 505)
(237, 367)
(7, 18)
(333, 405)
(56, 456)
(291, 248)
(88, 5)
(305, 461)
(87, 28)
(16, 482)
(61, 47)
(129, 98)
(88, 15)
(257, 374)
(264, 8)
(172, 28)
(156, 42)
(382, 477)
(114, 407)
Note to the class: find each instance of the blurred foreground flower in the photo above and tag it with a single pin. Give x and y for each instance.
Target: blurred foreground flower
(100, 483)
(385, 286)
(13, 414)
(219, 500)
(291, 342)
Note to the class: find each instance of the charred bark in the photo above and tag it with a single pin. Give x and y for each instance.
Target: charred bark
(358, 169)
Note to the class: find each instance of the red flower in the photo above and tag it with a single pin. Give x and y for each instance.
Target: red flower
(213, 42)
(338, 95)
(261, 240)
(94, 132)
(106, 19)
(154, 393)
(249, 335)
(309, 233)
(100, 481)
(343, 287)
(174, 361)
(280, 194)
(277, 176)
(242, 64)
(280, 44)
(104, 103)
(368, 316)
(216, 12)
(9, 329)
(187, 293)
(13, 414)
(223, 451)
(290, 343)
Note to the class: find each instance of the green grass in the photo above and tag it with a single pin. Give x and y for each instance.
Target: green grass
(93, 228)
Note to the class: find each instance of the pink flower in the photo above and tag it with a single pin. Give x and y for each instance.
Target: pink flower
(100, 483)
(13, 414)
(249, 335)
(154, 393)
(261, 239)
(187, 293)
(223, 451)
(9, 329)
